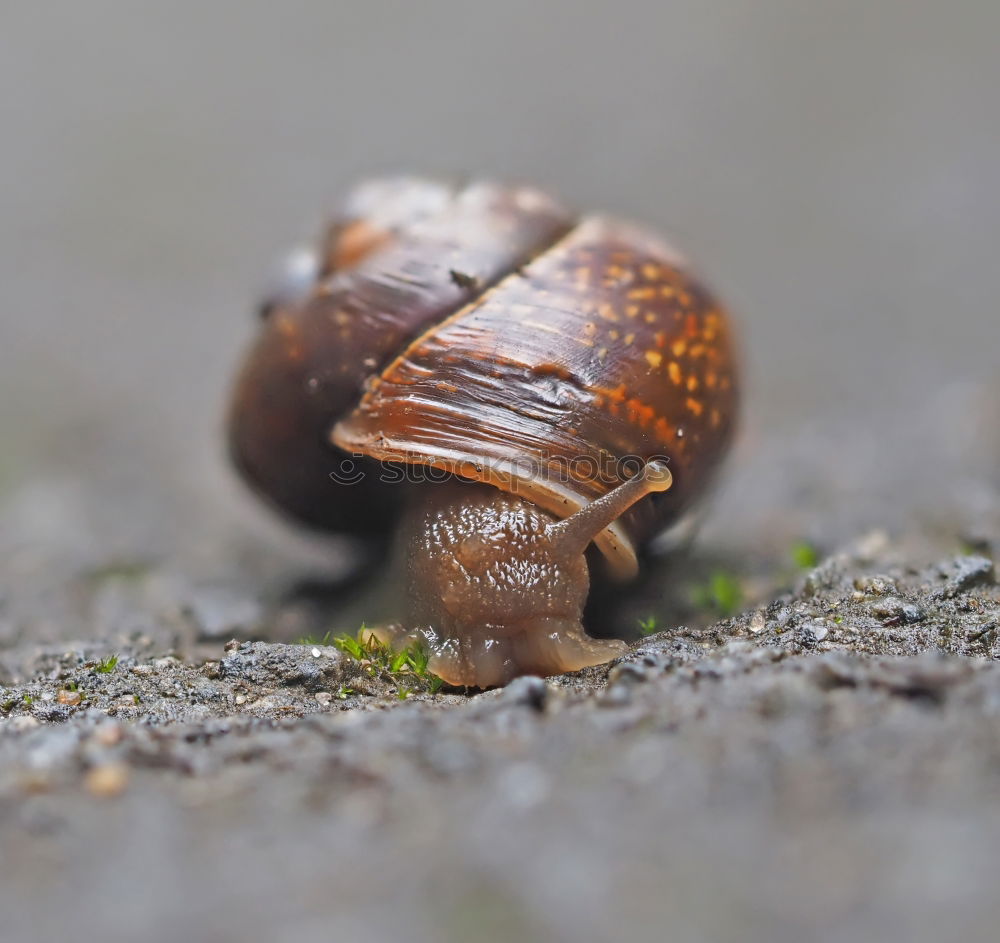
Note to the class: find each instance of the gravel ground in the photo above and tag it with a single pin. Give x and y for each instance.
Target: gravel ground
(825, 765)
(809, 749)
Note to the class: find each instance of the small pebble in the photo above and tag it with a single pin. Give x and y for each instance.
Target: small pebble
(35, 781)
(872, 545)
(240, 699)
(324, 698)
(812, 632)
(912, 613)
(107, 781)
(109, 734)
(618, 694)
(892, 607)
(628, 672)
(968, 572)
(878, 585)
(529, 690)
(72, 698)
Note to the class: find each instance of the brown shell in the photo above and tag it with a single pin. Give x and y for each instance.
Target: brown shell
(403, 255)
(481, 332)
(603, 347)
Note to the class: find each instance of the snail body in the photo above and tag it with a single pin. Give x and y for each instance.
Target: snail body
(571, 379)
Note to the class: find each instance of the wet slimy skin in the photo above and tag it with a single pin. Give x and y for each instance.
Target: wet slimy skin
(496, 586)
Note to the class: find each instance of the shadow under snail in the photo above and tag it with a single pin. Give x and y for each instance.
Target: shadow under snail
(500, 385)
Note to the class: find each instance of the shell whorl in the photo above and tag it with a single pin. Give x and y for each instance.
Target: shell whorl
(603, 346)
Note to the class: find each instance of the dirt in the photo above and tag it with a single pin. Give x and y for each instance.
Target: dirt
(824, 765)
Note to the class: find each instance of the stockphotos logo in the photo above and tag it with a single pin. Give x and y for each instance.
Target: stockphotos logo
(609, 470)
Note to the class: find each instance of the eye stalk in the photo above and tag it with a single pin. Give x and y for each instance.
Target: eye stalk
(574, 534)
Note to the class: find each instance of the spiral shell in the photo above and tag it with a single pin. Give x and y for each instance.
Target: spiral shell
(486, 332)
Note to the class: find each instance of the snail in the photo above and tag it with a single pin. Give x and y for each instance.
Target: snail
(500, 385)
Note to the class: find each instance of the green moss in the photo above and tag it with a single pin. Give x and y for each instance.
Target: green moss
(721, 593)
(649, 625)
(380, 659)
(804, 555)
(106, 665)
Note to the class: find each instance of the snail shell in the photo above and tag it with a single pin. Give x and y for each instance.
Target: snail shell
(483, 330)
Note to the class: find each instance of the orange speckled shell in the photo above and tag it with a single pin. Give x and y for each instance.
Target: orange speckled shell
(604, 346)
(570, 347)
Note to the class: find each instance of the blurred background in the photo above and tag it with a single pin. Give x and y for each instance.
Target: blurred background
(831, 168)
